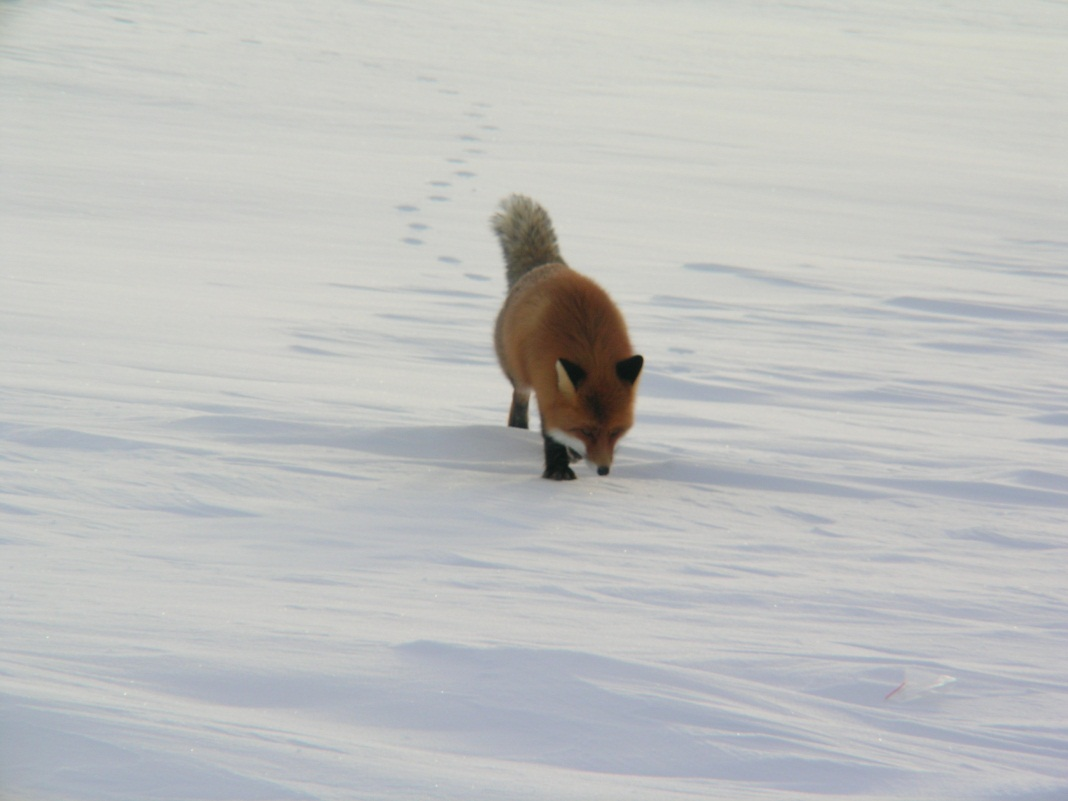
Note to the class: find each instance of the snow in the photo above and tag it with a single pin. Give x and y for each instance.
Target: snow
(265, 535)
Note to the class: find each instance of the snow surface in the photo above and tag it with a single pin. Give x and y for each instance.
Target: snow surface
(265, 535)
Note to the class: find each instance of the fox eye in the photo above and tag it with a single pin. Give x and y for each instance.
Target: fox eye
(588, 433)
(617, 433)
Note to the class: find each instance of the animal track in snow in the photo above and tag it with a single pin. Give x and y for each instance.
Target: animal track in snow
(470, 144)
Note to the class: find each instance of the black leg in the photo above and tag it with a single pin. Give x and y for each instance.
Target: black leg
(557, 461)
(517, 417)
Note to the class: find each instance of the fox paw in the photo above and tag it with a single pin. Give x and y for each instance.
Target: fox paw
(559, 473)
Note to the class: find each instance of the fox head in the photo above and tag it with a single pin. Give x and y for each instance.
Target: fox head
(595, 410)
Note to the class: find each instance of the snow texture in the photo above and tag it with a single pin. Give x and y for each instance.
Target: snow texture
(265, 535)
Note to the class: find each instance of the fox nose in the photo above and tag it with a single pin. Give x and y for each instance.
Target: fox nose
(602, 470)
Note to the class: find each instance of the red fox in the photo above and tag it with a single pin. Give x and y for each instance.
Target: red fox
(561, 336)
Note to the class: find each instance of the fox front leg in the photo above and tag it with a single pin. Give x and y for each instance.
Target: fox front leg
(557, 461)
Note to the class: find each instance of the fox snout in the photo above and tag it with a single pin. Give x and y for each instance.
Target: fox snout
(587, 444)
(599, 455)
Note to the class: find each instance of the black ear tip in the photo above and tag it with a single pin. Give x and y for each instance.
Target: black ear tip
(628, 369)
(574, 372)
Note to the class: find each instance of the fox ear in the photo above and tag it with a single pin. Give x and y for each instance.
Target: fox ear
(568, 376)
(628, 369)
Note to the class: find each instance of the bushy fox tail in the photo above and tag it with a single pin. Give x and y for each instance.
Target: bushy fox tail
(527, 236)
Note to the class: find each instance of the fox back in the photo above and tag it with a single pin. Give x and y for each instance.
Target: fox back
(560, 336)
